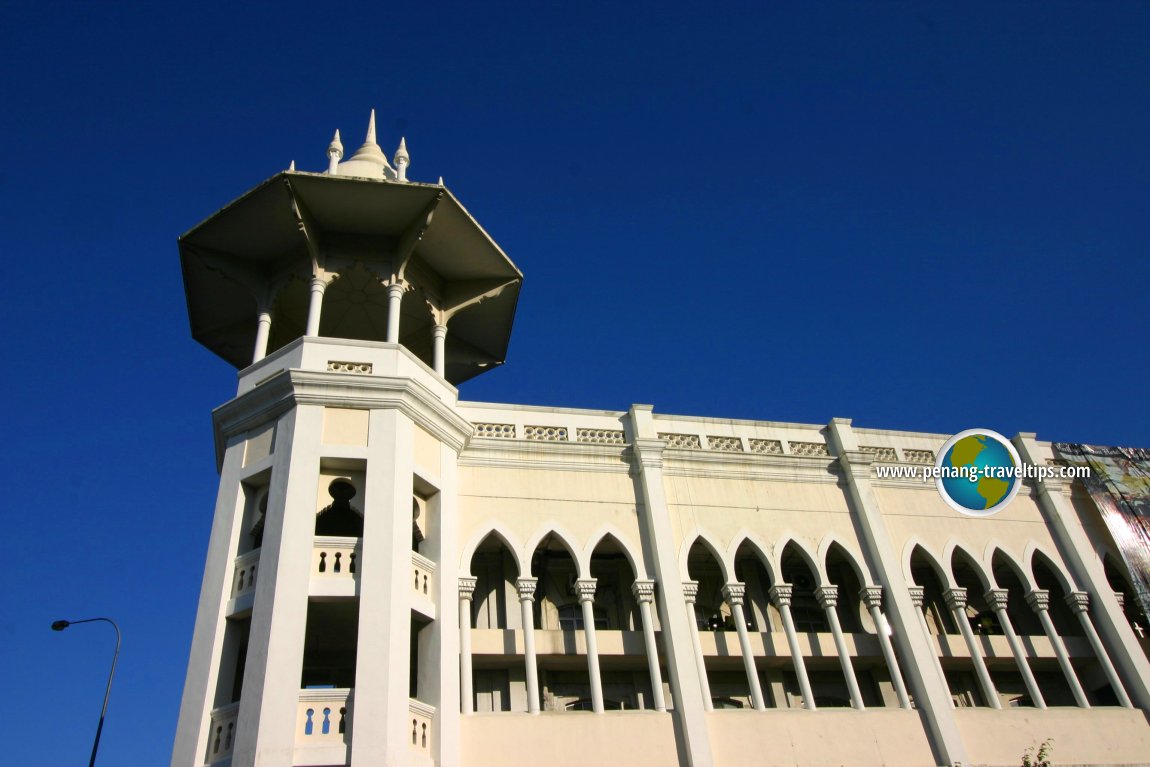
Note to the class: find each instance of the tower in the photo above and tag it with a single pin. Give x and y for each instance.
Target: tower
(351, 301)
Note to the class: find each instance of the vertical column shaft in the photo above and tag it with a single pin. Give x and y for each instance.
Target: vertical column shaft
(1079, 602)
(872, 597)
(644, 592)
(997, 599)
(315, 306)
(466, 590)
(526, 588)
(918, 599)
(394, 302)
(828, 597)
(586, 589)
(690, 592)
(439, 339)
(733, 593)
(780, 596)
(956, 601)
(1039, 601)
(263, 332)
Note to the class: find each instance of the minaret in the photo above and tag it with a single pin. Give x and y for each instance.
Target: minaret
(327, 629)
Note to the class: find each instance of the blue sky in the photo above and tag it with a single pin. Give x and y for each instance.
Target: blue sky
(919, 216)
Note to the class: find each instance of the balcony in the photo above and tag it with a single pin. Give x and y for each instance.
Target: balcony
(423, 585)
(422, 719)
(335, 566)
(243, 583)
(222, 735)
(323, 727)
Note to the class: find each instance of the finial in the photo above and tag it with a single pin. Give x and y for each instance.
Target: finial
(402, 160)
(370, 129)
(292, 166)
(334, 154)
(441, 180)
(370, 151)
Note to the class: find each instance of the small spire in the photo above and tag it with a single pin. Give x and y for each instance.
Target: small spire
(334, 154)
(402, 160)
(292, 166)
(370, 129)
(441, 180)
(370, 151)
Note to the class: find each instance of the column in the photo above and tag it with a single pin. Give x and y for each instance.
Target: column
(438, 337)
(828, 598)
(1039, 601)
(263, 332)
(1079, 602)
(585, 588)
(315, 306)
(466, 590)
(733, 593)
(644, 592)
(780, 596)
(917, 598)
(872, 598)
(997, 599)
(956, 601)
(690, 592)
(394, 297)
(526, 588)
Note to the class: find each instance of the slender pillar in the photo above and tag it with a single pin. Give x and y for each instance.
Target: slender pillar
(1079, 602)
(872, 598)
(690, 592)
(466, 590)
(918, 599)
(644, 592)
(997, 599)
(733, 593)
(780, 596)
(956, 601)
(585, 588)
(438, 337)
(263, 332)
(394, 299)
(315, 306)
(526, 587)
(828, 598)
(1039, 601)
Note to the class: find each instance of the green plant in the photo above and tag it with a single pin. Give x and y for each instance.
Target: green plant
(1041, 758)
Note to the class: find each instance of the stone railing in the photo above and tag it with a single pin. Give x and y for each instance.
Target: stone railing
(545, 433)
(222, 736)
(324, 716)
(495, 430)
(335, 557)
(244, 579)
(422, 716)
(423, 575)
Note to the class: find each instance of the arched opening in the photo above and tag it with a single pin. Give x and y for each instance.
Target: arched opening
(289, 313)
(711, 612)
(498, 680)
(1119, 580)
(340, 519)
(1009, 576)
(1086, 667)
(824, 671)
(969, 576)
(355, 306)
(808, 616)
(927, 576)
(871, 672)
(751, 572)
(726, 676)
(563, 677)
(626, 679)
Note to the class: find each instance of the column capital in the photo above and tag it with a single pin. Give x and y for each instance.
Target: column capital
(917, 595)
(396, 290)
(733, 593)
(439, 331)
(827, 596)
(997, 598)
(526, 588)
(780, 594)
(585, 588)
(649, 451)
(467, 587)
(871, 596)
(1120, 598)
(1039, 600)
(643, 591)
(955, 598)
(318, 283)
(690, 591)
(1078, 601)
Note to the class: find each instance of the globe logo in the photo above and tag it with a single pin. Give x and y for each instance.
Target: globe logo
(978, 472)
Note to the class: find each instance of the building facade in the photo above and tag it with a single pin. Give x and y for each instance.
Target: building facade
(399, 577)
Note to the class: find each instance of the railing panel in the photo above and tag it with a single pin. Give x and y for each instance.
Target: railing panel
(222, 736)
(335, 557)
(324, 716)
(422, 716)
(423, 575)
(244, 577)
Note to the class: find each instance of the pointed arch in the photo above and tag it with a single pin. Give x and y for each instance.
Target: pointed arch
(625, 544)
(996, 552)
(1036, 555)
(505, 536)
(850, 554)
(958, 553)
(760, 549)
(792, 542)
(931, 559)
(698, 536)
(563, 537)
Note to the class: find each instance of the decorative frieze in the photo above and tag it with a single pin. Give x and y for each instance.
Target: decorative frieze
(767, 446)
(726, 444)
(918, 456)
(338, 366)
(545, 433)
(495, 430)
(600, 436)
(814, 449)
(682, 441)
(886, 454)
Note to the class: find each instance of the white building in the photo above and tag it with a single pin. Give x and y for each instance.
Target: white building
(399, 577)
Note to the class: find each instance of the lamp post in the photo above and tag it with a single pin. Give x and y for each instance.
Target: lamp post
(60, 626)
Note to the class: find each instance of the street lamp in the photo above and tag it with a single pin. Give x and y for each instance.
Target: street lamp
(60, 626)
